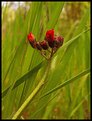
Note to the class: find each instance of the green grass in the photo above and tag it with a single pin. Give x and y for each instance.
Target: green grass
(64, 92)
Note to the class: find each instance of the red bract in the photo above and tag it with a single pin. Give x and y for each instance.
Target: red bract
(49, 35)
(44, 45)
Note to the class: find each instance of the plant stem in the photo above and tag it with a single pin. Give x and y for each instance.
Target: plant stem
(41, 83)
(44, 56)
(51, 53)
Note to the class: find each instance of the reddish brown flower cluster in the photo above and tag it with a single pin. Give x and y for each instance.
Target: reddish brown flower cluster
(51, 41)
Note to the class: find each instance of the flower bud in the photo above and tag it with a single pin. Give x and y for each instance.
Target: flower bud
(44, 45)
(60, 39)
(32, 40)
(38, 46)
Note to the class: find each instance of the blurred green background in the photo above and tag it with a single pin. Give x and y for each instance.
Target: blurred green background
(69, 19)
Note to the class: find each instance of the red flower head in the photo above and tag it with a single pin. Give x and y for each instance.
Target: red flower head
(51, 41)
(50, 37)
(44, 45)
(31, 39)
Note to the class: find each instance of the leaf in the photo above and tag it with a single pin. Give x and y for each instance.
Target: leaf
(55, 14)
(23, 78)
(27, 75)
(36, 58)
(67, 82)
(5, 91)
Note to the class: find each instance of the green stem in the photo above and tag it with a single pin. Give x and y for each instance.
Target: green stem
(41, 83)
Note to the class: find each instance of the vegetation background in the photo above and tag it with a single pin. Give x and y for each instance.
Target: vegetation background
(66, 93)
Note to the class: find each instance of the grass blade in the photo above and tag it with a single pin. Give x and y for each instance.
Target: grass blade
(23, 78)
(67, 82)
